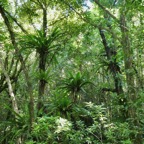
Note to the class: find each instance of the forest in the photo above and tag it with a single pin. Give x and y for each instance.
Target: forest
(72, 71)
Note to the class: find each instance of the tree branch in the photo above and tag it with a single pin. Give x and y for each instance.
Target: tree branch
(13, 40)
(14, 103)
(15, 20)
(110, 14)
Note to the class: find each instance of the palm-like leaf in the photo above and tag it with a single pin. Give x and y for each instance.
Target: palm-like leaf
(75, 83)
(39, 41)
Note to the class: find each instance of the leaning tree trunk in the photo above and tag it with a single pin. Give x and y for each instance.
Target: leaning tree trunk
(115, 70)
(11, 93)
(13, 41)
(10, 89)
(113, 65)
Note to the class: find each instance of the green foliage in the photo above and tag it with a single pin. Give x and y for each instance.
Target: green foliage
(91, 85)
(119, 133)
(74, 84)
(59, 103)
(15, 128)
(80, 130)
(40, 42)
(43, 129)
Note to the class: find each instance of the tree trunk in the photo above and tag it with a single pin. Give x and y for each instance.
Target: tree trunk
(128, 61)
(115, 70)
(29, 86)
(42, 81)
(11, 93)
(42, 63)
